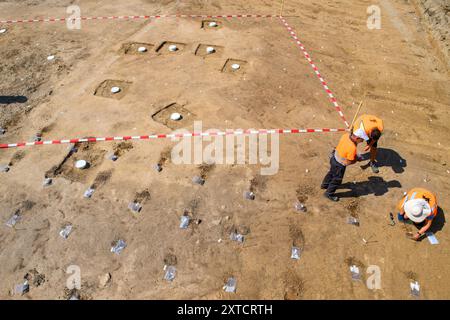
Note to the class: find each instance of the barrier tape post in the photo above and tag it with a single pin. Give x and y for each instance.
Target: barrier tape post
(281, 8)
(357, 112)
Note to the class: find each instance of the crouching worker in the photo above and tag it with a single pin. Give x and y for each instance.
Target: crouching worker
(419, 206)
(344, 155)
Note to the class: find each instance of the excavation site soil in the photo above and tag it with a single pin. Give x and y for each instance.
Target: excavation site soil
(129, 76)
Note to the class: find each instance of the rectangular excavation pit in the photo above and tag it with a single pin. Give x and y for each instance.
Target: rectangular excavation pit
(201, 50)
(228, 66)
(132, 48)
(91, 153)
(163, 116)
(104, 89)
(163, 48)
(207, 24)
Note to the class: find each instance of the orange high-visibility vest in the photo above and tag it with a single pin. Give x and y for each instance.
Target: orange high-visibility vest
(420, 193)
(346, 149)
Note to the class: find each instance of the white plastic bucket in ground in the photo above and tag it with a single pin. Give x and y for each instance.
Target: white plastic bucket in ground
(142, 49)
(175, 116)
(173, 48)
(210, 50)
(235, 66)
(213, 24)
(81, 164)
(115, 90)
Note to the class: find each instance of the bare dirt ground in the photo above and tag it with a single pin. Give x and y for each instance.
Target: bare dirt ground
(398, 68)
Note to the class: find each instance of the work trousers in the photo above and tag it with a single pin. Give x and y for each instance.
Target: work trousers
(334, 177)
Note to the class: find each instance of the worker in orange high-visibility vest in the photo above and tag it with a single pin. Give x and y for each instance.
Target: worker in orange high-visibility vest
(372, 127)
(420, 206)
(344, 155)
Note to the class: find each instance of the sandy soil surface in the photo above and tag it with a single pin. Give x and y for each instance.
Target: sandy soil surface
(436, 14)
(404, 80)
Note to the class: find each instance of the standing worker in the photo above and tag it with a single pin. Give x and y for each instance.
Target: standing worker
(420, 206)
(372, 127)
(345, 154)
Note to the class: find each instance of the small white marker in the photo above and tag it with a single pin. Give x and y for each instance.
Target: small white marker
(2, 31)
(115, 90)
(81, 164)
(213, 24)
(175, 116)
(210, 50)
(50, 58)
(173, 48)
(235, 66)
(142, 49)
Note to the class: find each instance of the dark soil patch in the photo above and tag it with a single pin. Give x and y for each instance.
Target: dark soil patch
(142, 196)
(303, 192)
(17, 157)
(352, 261)
(26, 205)
(122, 147)
(102, 178)
(165, 156)
(205, 169)
(296, 234)
(170, 259)
(353, 208)
(294, 286)
(410, 275)
(35, 278)
(258, 183)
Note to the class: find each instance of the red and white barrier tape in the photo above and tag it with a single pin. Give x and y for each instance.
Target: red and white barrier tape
(316, 70)
(169, 135)
(140, 17)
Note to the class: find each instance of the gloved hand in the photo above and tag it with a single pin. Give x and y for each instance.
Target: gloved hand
(400, 217)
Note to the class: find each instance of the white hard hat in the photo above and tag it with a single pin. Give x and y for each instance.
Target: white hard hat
(417, 210)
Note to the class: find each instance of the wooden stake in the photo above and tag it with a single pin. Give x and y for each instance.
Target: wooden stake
(281, 8)
(357, 111)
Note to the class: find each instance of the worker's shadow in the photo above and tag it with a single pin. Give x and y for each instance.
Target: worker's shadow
(437, 224)
(376, 186)
(387, 158)
(438, 221)
(13, 99)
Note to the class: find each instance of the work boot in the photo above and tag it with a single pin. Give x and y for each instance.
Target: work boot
(324, 187)
(331, 197)
(374, 167)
